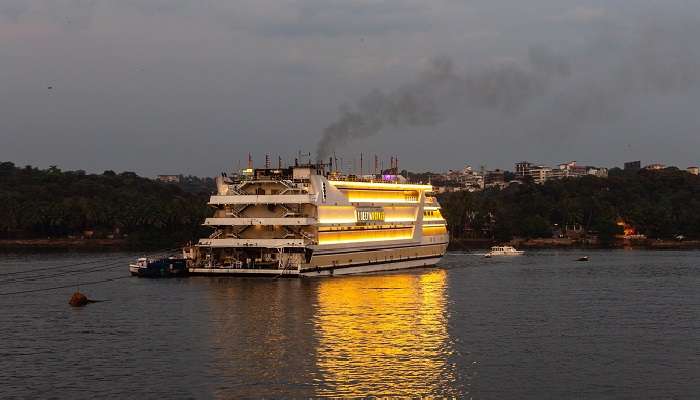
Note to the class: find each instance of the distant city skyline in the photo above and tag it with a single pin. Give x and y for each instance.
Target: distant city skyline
(368, 167)
(192, 87)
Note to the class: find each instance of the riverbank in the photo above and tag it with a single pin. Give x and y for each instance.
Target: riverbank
(555, 243)
(66, 244)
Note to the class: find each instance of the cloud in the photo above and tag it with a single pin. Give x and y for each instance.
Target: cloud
(584, 14)
(12, 10)
(549, 97)
(337, 18)
(257, 75)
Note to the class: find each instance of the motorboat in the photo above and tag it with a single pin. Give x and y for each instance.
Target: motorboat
(158, 268)
(503, 251)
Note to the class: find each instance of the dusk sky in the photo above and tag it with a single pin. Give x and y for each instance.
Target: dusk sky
(184, 86)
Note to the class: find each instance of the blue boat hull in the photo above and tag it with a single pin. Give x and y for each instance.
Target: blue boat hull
(162, 268)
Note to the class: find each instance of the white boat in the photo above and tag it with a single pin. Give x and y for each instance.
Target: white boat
(503, 251)
(307, 221)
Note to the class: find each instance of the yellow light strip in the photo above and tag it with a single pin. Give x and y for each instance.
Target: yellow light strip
(434, 230)
(379, 185)
(344, 241)
(431, 208)
(399, 220)
(364, 236)
(337, 221)
(379, 200)
(429, 225)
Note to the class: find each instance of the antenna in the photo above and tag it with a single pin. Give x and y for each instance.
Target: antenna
(250, 161)
(267, 161)
(361, 170)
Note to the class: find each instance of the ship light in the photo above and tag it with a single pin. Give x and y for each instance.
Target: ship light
(337, 221)
(336, 215)
(374, 196)
(378, 185)
(364, 236)
(430, 230)
(399, 220)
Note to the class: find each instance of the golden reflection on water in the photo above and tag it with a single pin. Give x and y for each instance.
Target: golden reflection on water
(384, 335)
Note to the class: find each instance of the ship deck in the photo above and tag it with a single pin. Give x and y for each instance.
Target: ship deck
(292, 273)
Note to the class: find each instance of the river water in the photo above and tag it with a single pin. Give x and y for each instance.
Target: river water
(626, 324)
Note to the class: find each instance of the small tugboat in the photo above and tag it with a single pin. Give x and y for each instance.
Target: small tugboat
(584, 258)
(159, 268)
(503, 251)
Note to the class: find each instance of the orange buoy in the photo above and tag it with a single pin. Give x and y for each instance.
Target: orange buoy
(78, 300)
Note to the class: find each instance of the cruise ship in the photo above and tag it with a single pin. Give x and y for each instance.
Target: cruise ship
(306, 221)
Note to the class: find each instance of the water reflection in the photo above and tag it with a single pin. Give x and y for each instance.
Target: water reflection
(261, 341)
(384, 335)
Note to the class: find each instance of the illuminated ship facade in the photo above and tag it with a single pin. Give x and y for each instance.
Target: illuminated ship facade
(302, 221)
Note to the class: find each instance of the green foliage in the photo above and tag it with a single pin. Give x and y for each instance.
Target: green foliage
(659, 204)
(53, 203)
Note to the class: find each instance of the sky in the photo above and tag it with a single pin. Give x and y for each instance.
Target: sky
(193, 87)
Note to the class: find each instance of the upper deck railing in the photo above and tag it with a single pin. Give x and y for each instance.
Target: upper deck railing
(287, 176)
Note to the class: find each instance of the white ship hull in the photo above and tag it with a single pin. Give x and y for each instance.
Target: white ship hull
(376, 267)
(318, 272)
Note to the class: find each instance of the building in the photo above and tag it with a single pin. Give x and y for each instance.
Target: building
(494, 177)
(633, 166)
(522, 168)
(542, 173)
(655, 167)
(599, 172)
(693, 170)
(568, 170)
(539, 173)
(466, 179)
(169, 178)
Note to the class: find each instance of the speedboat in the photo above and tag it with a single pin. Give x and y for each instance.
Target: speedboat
(503, 251)
(159, 268)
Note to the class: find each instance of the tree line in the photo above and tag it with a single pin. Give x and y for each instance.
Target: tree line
(659, 204)
(36, 203)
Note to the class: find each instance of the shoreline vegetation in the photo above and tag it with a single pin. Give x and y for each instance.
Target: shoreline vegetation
(53, 209)
(56, 209)
(653, 209)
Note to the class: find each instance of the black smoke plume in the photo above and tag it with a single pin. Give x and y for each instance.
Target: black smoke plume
(549, 94)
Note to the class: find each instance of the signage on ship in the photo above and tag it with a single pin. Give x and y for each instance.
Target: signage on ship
(369, 214)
